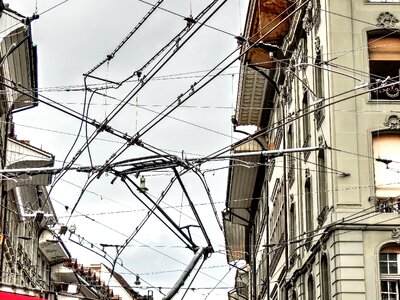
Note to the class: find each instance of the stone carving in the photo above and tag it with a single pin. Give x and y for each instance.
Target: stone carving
(386, 20)
(308, 19)
(308, 173)
(393, 122)
(317, 45)
(396, 234)
(312, 17)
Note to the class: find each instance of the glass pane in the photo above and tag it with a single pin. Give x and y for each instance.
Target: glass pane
(384, 286)
(392, 286)
(385, 297)
(392, 256)
(383, 267)
(393, 267)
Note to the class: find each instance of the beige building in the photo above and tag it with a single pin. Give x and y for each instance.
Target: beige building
(318, 219)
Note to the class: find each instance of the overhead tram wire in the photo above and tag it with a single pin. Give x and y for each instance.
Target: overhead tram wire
(130, 34)
(104, 125)
(122, 149)
(170, 117)
(192, 90)
(182, 16)
(53, 7)
(265, 130)
(115, 111)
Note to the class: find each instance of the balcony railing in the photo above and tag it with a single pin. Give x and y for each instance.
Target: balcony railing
(387, 205)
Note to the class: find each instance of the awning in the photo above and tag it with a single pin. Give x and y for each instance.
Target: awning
(20, 64)
(241, 181)
(21, 155)
(251, 96)
(235, 239)
(52, 247)
(12, 296)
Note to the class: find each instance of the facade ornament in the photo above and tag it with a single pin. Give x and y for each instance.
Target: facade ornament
(308, 173)
(317, 44)
(396, 234)
(317, 15)
(308, 19)
(323, 246)
(312, 17)
(386, 20)
(393, 122)
(310, 268)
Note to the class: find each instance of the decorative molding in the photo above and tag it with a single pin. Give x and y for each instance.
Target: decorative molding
(312, 17)
(317, 44)
(396, 234)
(317, 15)
(308, 19)
(323, 246)
(393, 122)
(386, 20)
(308, 173)
(321, 140)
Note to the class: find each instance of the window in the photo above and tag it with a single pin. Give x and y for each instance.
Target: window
(291, 157)
(310, 287)
(306, 124)
(318, 89)
(309, 205)
(325, 279)
(389, 258)
(322, 186)
(384, 64)
(387, 164)
(292, 227)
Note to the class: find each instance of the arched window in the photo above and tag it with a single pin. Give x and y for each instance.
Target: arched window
(325, 279)
(389, 258)
(322, 186)
(311, 288)
(308, 205)
(386, 164)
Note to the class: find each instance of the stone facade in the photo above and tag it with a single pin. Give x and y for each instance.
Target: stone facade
(322, 223)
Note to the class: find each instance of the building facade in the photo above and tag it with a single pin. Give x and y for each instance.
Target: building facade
(319, 218)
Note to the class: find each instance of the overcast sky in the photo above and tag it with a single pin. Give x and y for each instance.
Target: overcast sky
(74, 37)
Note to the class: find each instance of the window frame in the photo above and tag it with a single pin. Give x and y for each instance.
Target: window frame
(374, 36)
(389, 277)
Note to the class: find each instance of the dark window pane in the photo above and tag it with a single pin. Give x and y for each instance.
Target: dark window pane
(393, 267)
(384, 287)
(392, 286)
(383, 267)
